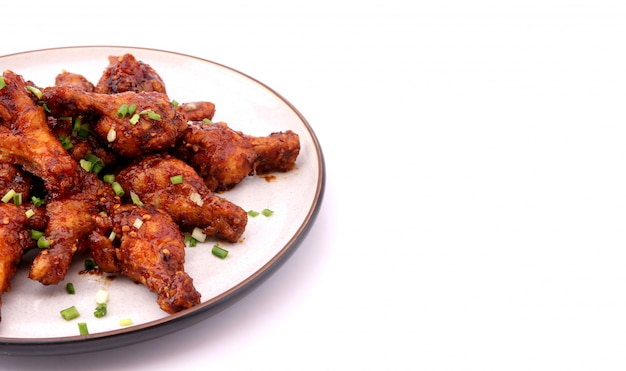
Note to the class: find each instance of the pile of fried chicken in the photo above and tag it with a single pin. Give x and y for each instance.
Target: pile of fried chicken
(127, 125)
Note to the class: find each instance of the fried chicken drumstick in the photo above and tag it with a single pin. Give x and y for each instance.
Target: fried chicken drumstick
(148, 248)
(188, 200)
(223, 157)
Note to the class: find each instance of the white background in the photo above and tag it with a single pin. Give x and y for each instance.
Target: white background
(475, 208)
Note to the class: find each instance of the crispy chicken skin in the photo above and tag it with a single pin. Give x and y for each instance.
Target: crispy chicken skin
(14, 241)
(197, 111)
(126, 73)
(27, 140)
(73, 80)
(190, 203)
(12, 177)
(70, 221)
(130, 139)
(149, 249)
(223, 157)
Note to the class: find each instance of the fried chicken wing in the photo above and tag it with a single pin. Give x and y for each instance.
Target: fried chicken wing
(14, 241)
(148, 248)
(189, 202)
(223, 157)
(70, 220)
(13, 177)
(126, 73)
(26, 140)
(157, 128)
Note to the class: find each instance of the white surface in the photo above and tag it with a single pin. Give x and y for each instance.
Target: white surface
(474, 211)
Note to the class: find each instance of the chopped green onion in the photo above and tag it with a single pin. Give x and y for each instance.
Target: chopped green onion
(151, 114)
(79, 130)
(102, 296)
(219, 252)
(8, 196)
(70, 313)
(66, 142)
(101, 310)
(37, 201)
(175, 103)
(133, 120)
(86, 165)
(198, 235)
(43, 242)
(17, 199)
(89, 264)
(112, 236)
(111, 135)
(138, 223)
(69, 288)
(136, 200)
(35, 234)
(29, 213)
(178, 179)
(207, 121)
(2, 82)
(267, 212)
(108, 178)
(132, 109)
(126, 322)
(123, 110)
(35, 91)
(253, 213)
(117, 188)
(82, 328)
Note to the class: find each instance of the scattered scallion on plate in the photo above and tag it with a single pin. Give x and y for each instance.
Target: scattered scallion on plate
(70, 313)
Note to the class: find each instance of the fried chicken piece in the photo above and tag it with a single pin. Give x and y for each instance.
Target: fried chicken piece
(223, 157)
(126, 73)
(190, 203)
(158, 127)
(26, 140)
(70, 220)
(14, 241)
(12, 177)
(149, 249)
(73, 80)
(197, 111)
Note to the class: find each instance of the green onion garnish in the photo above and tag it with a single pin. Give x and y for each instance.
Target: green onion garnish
(132, 109)
(123, 110)
(108, 178)
(175, 103)
(17, 199)
(253, 213)
(219, 252)
(178, 179)
(70, 313)
(133, 120)
(69, 288)
(198, 234)
(66, 142)
(89, 264)
(2, 82)
(86, 165)
(43, 242)
(136, 200)
(117, 188)
(35, 91)
(8, 196)
(29, 213)
(267, 212)
(37, 201)
(126, 322)
(101, 310)
(82, 328)
(35, 234)
(151, 114)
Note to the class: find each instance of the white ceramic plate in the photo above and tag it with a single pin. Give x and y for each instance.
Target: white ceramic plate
(31, 323)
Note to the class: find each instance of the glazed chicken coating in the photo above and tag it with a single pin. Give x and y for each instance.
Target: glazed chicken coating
(126, 73)
(13, 177)
(158, 127)
(26, 140)
(73, 80)
(148, 248)
(197, 111)
(223, 157)
(70, 220)
(190, 203)
(14, 241)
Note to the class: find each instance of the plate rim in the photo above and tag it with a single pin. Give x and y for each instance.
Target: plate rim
(172, 323)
